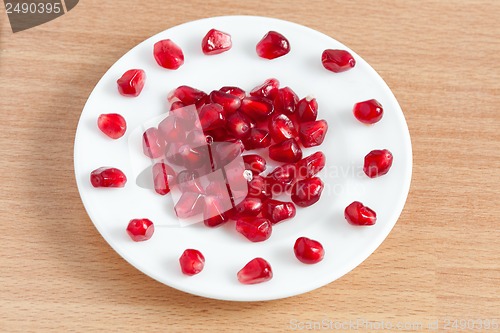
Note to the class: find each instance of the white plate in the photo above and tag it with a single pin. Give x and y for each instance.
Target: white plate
(345, 146)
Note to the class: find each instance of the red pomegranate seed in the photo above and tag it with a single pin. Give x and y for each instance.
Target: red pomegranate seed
(225, 152)
(277, 211)
(189, 204)
(256, 271)
(310, 165)
(112, 124)
(255, 229)
(308, 250)
(282, 128)
(172, 129)
(176, 105)
(358, 214)
(163, 177)
(153, 144)
(239, 125)
(307, 109)
(229, 102)
(131, 82)
(337, 60)
(194, 157)
(268, 89)
(272, 45)
(172, 153)
(216, 42)
(259, 188)
(192, 262)
(285, 101)
(168, 54)
(307, 192)
(212, 117)
(312, 133)
(257, 108)
(368, 112)
(287, 151)
(187, 95)
(281, 178)
(258, 138)
(188, 181)
(214, 213)
(140, 229)
(108, 177)
(250, 206)
(377, 163)
(196, 138)
(255, 163)
(219, 134)
(235, 91)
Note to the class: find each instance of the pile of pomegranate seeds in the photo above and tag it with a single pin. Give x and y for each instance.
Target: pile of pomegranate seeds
(230, 122)
(192, 262)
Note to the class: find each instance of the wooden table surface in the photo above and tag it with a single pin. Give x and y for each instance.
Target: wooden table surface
(440, 263)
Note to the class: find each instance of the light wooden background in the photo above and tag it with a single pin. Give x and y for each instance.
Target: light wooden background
(441, 261)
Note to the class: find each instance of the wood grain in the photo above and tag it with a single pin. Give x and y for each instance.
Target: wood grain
(440, 58)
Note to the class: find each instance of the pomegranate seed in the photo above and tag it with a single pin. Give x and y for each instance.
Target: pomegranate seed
(254, 163)
(358, 214)
(153, 144)
(307, 192)
(172, 129)
(193, 158)
(225, 152)
(250, 206)
(255, 229)
(187, 95)
(235, 91)
(189, 204)
(196, 138)
(214, 212)
(281, 178)
(258, 138)
(239, 125)
(168, 54)
(212, 116)
(259, 188)
(307, 109)
(219, 134)
(255, 271)
(108, 177)
(216, 42)
(368, 112)
(140, 229)
(176, 105)
(229, 102)
(282, 128)
(285, 101)
(312, 133)
(112, 124)
(268, 89)
(310, 165)
(308, 250)
(188, 181)
(131, 82)
(257, 108)
(337, 60)
(272, 45)
(277, 211)
(172, 153)
(377, 163)
(287, 151)
(192, 262)
(163, 176)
